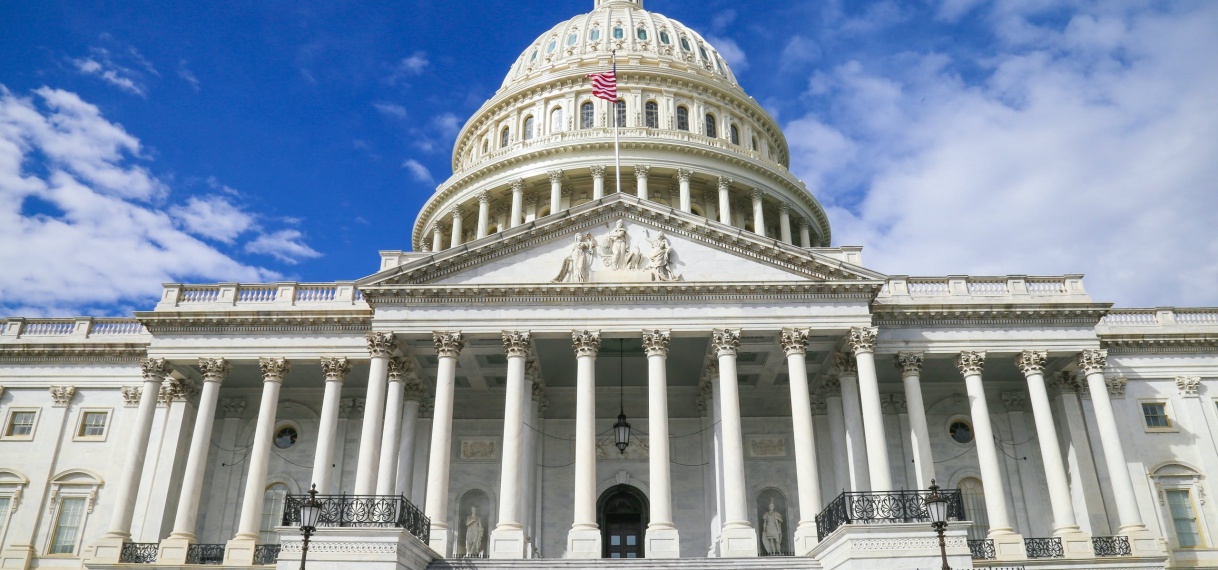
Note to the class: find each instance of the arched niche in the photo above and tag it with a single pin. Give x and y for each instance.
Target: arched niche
(622, 511)
(473, 524)
(773, 522)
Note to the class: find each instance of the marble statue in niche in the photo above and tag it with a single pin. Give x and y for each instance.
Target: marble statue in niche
(474, 534)
(771, 530)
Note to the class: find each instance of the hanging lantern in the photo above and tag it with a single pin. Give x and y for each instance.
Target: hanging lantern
(621, 430)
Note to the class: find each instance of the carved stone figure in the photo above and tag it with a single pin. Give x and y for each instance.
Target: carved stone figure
(616, 252)
(771, 530)
(473, 534)
(578, 263)
(660, 262)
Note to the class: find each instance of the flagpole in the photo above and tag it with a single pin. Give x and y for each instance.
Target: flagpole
(617, 156)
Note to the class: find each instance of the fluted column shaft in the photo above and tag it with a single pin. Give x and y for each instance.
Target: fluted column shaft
(683, 176)
(154, 370)
(391, 435)
(725, 201)
(758, 213)
(516, 346)
(555, 191)
(437, 239)
(1091, 364)
(517, 212)
(380, 346)
(656, 345)
(971, 365)
(484, 214)
(735, 503)
(598, 182)
(335, 371)
(910, 365)
(587, 344)
(837, 436)
(214, 371)
(852, 417)
(805, 235)
(448, 347)
(273, 372)
(784, 224)
(640, 177)
(862, 343)
(1032, 364)
(457, 230)
(795, 344)
(410, 426)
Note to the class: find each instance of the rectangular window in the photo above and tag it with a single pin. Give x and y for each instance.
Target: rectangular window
(1155, 414)
(67, 525)
(5, 504)
(20, 424)
(1184, 518)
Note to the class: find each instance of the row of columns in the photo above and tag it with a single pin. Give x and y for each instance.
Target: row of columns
(641, 174)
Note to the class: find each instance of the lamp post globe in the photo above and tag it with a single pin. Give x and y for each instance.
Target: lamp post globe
(310, 515)
(936, 507)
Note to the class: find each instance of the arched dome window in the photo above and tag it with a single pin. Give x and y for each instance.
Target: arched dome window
(702, 51)
(682, 118)
(533, 56)
(754, 145)
(735, 135)
(619, 33)
(556, 120)
(652, 115)
(665, 38)
(685, 44)
(594, 34)
(586, 114)
(641, 33)
(619, 112)
(529, 124)
(504, 137)
(553, 45)
(571, 39)
(486, 146)
(711, 128)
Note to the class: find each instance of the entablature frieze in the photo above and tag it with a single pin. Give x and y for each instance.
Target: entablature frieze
(618, 293)
(314, 322)
(1074, 315)
(73, 353)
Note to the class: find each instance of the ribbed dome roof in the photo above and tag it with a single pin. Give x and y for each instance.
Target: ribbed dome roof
(623, 25)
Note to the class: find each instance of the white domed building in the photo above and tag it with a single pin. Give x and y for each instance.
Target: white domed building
(686, 369)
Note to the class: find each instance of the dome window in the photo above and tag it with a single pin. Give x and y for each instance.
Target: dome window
(505, 137)
(533, 56)
(553, 45)
(486, 146)
(619, 33)
(718, 63)
(529, 125)
(652, 114)
(571, 39)
(702, 51)
(682, 118)
(619, 112)
(685, 44)
(735, 135)
(642, 33)
(586, 113)
(594, 34)
(664, 38)
(556, 124)
(754, 147)
(711, 127)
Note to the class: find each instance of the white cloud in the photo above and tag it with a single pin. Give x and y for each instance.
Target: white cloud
(722, 20)
(284, 245)
(418, 171)
(100, 64)
(731, 52)
(391, 109)
(446, 124)
(414, 65)
(213, 217)
(187, 75)
(1091, 151)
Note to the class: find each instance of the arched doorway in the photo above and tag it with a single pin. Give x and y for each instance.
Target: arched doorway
(621, 512)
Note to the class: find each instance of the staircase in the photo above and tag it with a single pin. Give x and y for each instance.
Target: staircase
(766, 563)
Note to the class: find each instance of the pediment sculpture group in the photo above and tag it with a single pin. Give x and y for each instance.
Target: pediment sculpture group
(615, 254)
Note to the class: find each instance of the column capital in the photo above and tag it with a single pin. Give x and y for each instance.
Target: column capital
(726, 341)
(381, 344)
(414, 391)
(893, 404)
(724, 182)
(448, 343)
(335, 369)
(455, 212)
(401, 369)
(655, 342)
(1065, 381)
(684, 174)
(531, 199)
(909, 363)
(232, 407)
(804, 224)
(794, 341)
(61, 396)
(710, 197)
(517, 343)
(274, 369)
(845, 365)
(784, 208)
(831, 386)
(1092, 361)
(214, 369)
(517, 185)
(586, 343)
(538, 392)
(155, 369)
(484, 197)
(1015, 401)
(1188, 385)
(971, 362)
(642, 170)
(532, 371)
(1031, 362)
(555, 176)
(758, 194)
(862, 339)
(598, 170)
(175, 390)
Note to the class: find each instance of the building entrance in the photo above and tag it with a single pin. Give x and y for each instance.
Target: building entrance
(622, 513)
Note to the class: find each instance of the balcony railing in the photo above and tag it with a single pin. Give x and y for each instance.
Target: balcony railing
(265, 554)
(362, 511)
(883, 508)
(1111, 546)
(139, 552)
(1043, 547)
(982, 549)
(205, 554)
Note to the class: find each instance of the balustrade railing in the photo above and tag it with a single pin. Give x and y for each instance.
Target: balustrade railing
(362, 511)
(200, 295)
(1043, 547)
(205, 554)
(49, 328)
(256, 294)
(316, 293)
(1111, 546)
(116, 327)
(139, 552)
(982, 549)
(883, 508)
(265, 554)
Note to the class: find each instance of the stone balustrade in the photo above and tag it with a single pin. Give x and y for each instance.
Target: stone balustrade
(971, 289)
(180, 297)
(73, 329)
(1164, 319)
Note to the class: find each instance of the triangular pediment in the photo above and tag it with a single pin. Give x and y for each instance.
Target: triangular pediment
(618, 240)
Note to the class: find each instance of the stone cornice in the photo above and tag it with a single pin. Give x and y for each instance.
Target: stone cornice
(74, 353)
(1177, 343)
(1078, 314)
(616, 293)
(357, 321)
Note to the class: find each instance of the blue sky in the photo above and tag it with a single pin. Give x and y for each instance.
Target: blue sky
(146, 142)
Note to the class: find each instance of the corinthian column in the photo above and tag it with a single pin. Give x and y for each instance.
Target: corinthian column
(971, 365)
(507, 540)
(173, 549)
(437, 238)
(852, 418)
(335, 371)
(584, 538)
(640, 177)
(598, 181)
(380, 346)
(457, 230)
(784, 223)
(795, 344)
(725, 201)
(413, 398)
(484, 213)
(391, 436)
(862, 343)
(683, 176)
(662, 540)
(517, 212)
(739, 538)
(758, 212)
(910, 365)
(448, 348)
(805, 234)
(240, 550)
(555, 191)
(1092, 363)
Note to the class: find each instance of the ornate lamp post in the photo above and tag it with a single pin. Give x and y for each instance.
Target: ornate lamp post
(310, 512)
(936, 505)
(621, 430)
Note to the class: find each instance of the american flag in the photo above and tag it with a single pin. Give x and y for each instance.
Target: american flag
(604, 85)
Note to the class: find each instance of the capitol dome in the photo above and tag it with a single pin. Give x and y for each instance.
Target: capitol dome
(690, 137)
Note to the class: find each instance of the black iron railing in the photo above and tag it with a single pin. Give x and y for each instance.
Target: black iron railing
(266, 554)
(139, 552)
(1111, 546)
(205, 554)
(362, 511)
(982, 549)
(881, 508)
(1044, 547)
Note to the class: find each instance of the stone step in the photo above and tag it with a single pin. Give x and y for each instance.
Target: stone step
(767, 563)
